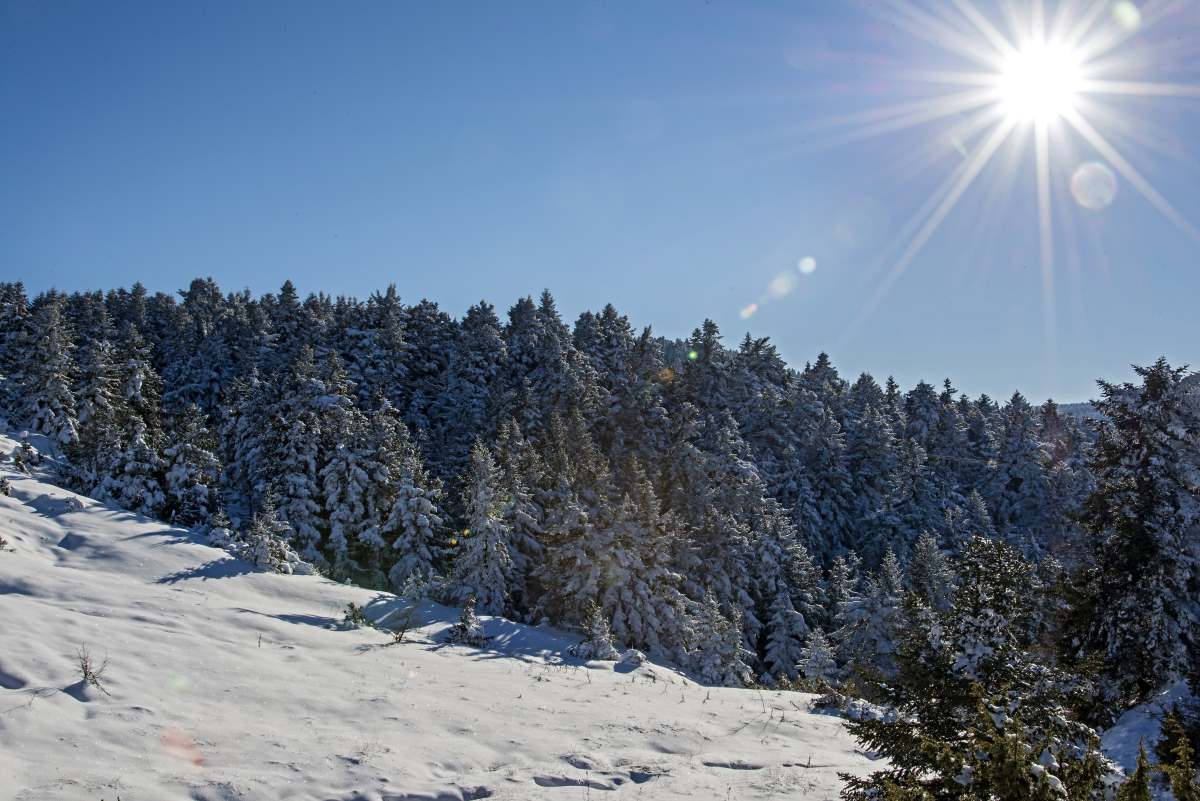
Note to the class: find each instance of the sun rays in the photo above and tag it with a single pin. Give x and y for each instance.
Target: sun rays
(1040, 79)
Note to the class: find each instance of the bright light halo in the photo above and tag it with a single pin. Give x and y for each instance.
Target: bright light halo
(1039, 83)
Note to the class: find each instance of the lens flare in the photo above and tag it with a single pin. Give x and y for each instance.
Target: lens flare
(781, 285)
(1093, 185)
(749, 311)
(807, 265)
(1127, 15)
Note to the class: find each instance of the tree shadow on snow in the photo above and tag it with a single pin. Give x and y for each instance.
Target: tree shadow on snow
(505, 638)
(320, 621)
(214, 569)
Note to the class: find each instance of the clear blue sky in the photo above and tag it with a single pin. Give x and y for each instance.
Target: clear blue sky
(668, 157)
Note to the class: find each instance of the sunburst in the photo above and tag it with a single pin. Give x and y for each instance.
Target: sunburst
(1039, 78)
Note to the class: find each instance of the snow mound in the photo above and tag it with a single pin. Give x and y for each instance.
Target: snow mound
(225, 683)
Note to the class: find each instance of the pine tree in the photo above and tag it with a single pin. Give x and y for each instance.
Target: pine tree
(1019, 492)
(1137, 787)
(786, 630)
(48, 372)
(974, 716)
(1178, 765)
(483, 569)
(718, 655)
(929, 574)
(135, 479)
(817, 661)
(413, 526)
(467, 630)
(599, 642)
(1141, 613)
(191, 471)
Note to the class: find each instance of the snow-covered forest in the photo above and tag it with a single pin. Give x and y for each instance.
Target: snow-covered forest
(1001, 577)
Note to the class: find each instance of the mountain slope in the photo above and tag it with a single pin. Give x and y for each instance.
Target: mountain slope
(224, 683)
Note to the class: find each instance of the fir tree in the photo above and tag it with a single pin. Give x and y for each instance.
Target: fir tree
(786, 630)
(191, 471)
(1142, 614)
(973, 716)
(1137, 787)
(467, 630)
(48, 372)
(483, 569)
(817, 661)
(599, 642)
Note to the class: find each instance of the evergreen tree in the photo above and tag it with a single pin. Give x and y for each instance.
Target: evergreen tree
(786, 630)
(718, 655)
(414, 524)
(191, 471)
(974, 717)
(817, 660)
(467, 630)
(1141, 613)
(484, 566)
(599, 642)
(1137, 787)
(48, 372)
(929, 574)
(135, 478)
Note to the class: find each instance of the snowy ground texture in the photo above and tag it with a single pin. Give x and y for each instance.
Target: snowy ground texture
(223, 683)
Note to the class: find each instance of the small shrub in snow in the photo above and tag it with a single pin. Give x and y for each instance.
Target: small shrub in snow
(599, 643)
(468, 630)
(91, 673)
(355, 617)
(72, 504)
(3, 544)
(5, 487)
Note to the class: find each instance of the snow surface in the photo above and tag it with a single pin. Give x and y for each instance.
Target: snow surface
(228, 684)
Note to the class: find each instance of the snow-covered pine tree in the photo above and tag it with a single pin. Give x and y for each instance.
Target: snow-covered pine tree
(599, 642)
(718, 655)
(1141, 613)
(99, 404)
(14, 320)
(191, 471)
(974, 716)
(140, 388)
(869, 625)
(1019, 492)
(817, 660)
(467, 630)
(295, 457)
(345, 485)
(413, 524)
(929, 574)
(135, 478)
(521, 472)
(462, 411)
(786, 631)
(49, 368)
(483, 566)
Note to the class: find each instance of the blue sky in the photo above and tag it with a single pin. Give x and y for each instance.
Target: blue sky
(673, 158)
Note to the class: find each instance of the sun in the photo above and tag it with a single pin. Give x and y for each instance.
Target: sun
(1039, 83)
(1037, 77)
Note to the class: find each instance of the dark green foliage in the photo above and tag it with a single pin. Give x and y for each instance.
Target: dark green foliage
(1177, 759)
(973, 716)
(1137, 787)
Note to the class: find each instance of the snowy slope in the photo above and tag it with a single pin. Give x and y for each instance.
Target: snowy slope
(230, 684)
